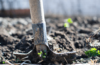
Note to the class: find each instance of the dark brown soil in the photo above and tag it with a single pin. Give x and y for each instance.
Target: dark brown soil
(16, 36)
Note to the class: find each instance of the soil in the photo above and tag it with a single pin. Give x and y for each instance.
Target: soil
(16, 35)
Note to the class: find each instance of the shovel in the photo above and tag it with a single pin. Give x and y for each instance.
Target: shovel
(41, 48)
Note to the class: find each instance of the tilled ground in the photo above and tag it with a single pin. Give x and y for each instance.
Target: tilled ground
(16, 35)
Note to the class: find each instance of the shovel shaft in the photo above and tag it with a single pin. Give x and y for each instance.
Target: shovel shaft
(39, 26)
(36, 11)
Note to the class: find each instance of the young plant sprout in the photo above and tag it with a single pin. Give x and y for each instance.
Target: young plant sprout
(94, 49)
(92, 52)
(44, 56)
(3, 62)
(40, 53)
(45, 53)
(66, 25)
(98, 52)
(68, 22)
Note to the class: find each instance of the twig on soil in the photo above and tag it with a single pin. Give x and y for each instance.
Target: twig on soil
(25, 57)
(94, 33)
(65, 60)
(25, 62)
(40, 61)
(9, 62)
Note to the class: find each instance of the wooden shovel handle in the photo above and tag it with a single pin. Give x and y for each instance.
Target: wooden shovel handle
(37, 16)
(36, 11)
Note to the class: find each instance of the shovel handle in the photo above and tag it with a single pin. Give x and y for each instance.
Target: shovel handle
(36, 11)
(37, 16)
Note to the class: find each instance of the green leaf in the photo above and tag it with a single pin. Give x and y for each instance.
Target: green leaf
(69, 20)
(66, 25)
(45, 53)
(3, 62)
(44, 56)
(41, 52)
(98, 52)
(93, 49)
(92, 52)
(88, 53)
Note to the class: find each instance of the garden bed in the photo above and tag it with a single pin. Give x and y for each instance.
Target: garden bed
(16, 36)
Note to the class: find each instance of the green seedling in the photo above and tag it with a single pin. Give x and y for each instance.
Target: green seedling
(93, 49)
(69, 20)
(40, 53)
(98, 52)
(3, 62)
(66, 25)
(44, 56)
(92, 52)
(45, 53)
